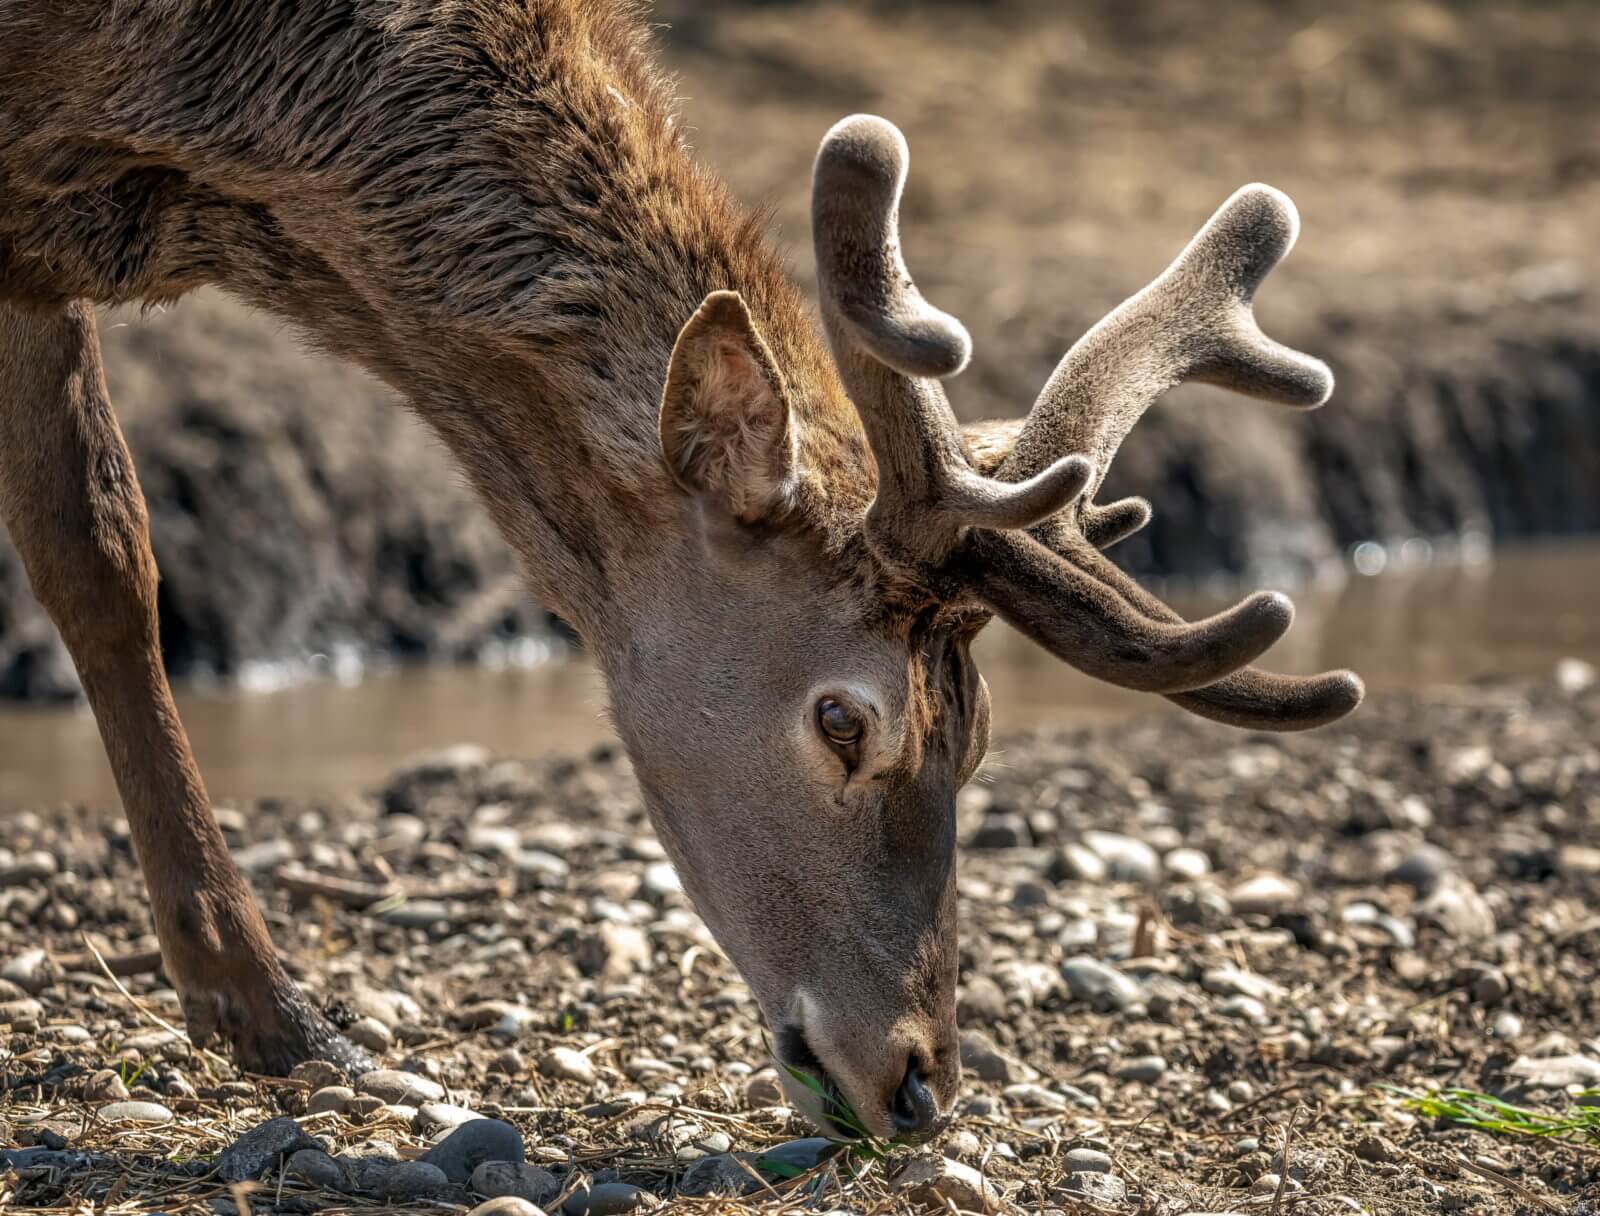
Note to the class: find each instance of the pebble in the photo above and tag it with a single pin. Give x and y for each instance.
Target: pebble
(1102, 1190)
(474, 1143)
(1245, 1009)
(330, 1099)
(1100, 985)
(417, 914)
(1556, 1072)
(1186, 865)
(604, 1199)
(1264, 895)
(29, 971)
(1126, 859)
(939, 1184)
(435, 1117)
(315, 1168)
(1002, 830)
(981, 1000)
(720, 1176)
(507, 1205)
(399, 1088)
(261, 1148)
(1268, 1185)
(1028, 1096)
(1230, 980)
(1076, 862)
(763, 1089)
(1491, 986)
(135, 1112)
(1422, 869)
(106, 1085)
(566, 1064)
(371, 1034)
(24, 1015)
(516, 1179)
(1456, 908)
(1506, 1025)
(802, 1155)
(989, 1063)
(1142, 1068)
(411, 1180)
(1086, 1160)
(613, 951)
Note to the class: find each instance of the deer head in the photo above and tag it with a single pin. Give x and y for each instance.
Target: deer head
(801, 756)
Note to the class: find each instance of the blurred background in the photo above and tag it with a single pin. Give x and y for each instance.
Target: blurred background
(333, 600)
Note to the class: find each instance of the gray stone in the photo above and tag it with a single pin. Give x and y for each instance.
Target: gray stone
(434, 1118)
(106, 1085)
(507, 1205)
(418, 914)
(722, 1176)
(150, 1113)
(1126, 859)
(1143, 1069)
(515, 1179)
(1422, 869)
(330, 1099)
(1265, 894)
(604, 1199)
(1086, 1161)
(1456, 908)
(398, 1088)
(472, 1144)
(261, 1148)
(795, 1156)
(1228, 980)
(988, 1063)
(938, 1184)
(29, 971)
(1102, 1190)
(981, 1000)
(566, 1064)
(411, 1180)
(1100, 985)
(24, 1015)
(1186, 865)
(315, 1168)
(371, 1034)
(1557, 1072)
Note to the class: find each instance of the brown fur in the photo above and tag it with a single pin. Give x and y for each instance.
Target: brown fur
(488, 205)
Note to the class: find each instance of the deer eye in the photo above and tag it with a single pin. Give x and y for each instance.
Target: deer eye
(840, 725)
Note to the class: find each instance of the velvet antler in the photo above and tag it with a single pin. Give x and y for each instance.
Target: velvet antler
(1025, 542)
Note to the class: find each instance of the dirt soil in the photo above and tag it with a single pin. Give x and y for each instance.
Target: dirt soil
(1182, 946)
(1445, 158)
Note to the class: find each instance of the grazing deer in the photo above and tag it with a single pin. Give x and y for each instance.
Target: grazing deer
(779, 559)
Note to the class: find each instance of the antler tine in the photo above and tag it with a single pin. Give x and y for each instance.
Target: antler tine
(1194, 322)
(934, 516)
(891, 345)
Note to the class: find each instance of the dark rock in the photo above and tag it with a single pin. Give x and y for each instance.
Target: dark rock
(474, 1143)
(261, 1148)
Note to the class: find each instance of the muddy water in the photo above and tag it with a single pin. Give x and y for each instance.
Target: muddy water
(1519, 613)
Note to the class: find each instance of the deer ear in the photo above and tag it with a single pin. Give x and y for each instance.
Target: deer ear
(726, 427)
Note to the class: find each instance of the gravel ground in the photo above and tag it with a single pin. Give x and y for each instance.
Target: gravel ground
(1190, 960)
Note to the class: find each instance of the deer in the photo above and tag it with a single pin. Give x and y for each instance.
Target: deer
(773, 536)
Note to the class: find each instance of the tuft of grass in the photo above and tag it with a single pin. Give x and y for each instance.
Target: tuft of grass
(1579, 1124)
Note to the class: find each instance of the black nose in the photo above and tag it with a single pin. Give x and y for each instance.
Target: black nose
(914, 1111)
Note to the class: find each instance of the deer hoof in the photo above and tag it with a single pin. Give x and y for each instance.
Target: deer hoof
(270, 1037)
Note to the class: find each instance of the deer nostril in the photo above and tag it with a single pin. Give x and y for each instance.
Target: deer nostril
(914, 1109)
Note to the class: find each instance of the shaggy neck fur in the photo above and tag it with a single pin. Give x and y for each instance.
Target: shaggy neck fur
(485, 203)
